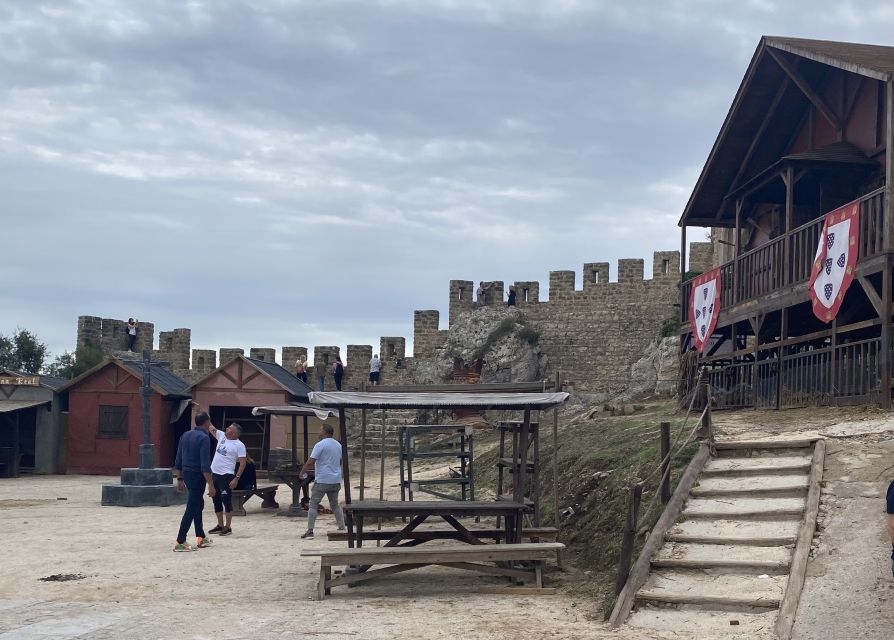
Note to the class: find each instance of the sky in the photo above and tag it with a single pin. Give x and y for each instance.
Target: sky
(273, 172)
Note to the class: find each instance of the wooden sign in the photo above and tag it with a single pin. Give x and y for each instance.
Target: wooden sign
(21, 381)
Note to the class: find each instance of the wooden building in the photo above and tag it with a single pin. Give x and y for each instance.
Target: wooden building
(32, 423)
(233, 390)
(105, 416)
(808, 132)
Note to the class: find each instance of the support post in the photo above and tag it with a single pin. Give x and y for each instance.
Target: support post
(789, 179)
(737, 244)
(346, 472)
(665, 462)
(889, 245)
(362, 446)
(557, 389)
(630, 528)
(147, 449)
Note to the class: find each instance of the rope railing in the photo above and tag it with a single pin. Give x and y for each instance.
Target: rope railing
(703, 428)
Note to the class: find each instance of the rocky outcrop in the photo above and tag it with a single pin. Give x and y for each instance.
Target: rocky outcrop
(657, 371)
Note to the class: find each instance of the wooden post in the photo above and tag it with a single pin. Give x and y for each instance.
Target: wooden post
(665, 462)
(521, 471)
(780, 368)
(558, 388)
(888, 227)
(306, 442)
(295, 441)
(346, 472)
(737, 244)
(362, 445)
(627, 545)
(381, 472)
(788, 178)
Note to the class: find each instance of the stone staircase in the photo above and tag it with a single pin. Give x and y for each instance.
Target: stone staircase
(394, 418)
(725, 565)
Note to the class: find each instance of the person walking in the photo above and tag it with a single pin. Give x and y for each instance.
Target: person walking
(301, 369)
(226, 470)
(192, 468)
(338, 372)
(325, 460)
(375, 367)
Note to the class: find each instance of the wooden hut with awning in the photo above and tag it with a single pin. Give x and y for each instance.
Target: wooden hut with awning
(32, 423)
(797, 189)
(232, 391)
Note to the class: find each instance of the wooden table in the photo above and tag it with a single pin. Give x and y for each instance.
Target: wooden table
(448, 510)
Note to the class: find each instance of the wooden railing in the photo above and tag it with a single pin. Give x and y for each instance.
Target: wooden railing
(765, 269)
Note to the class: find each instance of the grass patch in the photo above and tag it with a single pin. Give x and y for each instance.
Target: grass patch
(529, 335)
(625, 446)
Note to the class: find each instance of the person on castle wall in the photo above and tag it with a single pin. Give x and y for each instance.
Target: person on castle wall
(301, 369)
(511, 301)
(338, 372)
(375, 367)
(481, 293)
(131, 333)
(321, 376)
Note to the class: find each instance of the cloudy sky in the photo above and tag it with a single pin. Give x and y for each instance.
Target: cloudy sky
(273, 172)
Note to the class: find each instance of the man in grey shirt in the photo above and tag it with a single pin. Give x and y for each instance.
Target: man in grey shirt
(325, 460)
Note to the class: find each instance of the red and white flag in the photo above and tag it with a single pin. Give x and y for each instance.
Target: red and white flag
(836, 261)
(704, 307)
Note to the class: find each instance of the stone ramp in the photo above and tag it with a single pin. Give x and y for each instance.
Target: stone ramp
(724, 566)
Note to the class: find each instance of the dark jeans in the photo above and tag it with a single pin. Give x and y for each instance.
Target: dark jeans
(302, 377)
(131, 341)
(195, 487)
(338, 382)
(223, 497)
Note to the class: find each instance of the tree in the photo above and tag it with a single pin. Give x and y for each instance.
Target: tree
(71, 365)
(22, 352)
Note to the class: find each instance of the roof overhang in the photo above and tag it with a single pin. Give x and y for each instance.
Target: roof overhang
(7, 406)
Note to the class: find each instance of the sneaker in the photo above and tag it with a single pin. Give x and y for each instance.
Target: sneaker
(225, 531)
(201, 543)
(182, 547)
(217, 529)
(307, 535)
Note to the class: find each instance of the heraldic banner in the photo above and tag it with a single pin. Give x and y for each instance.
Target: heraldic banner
(704, 307)
(836, 261)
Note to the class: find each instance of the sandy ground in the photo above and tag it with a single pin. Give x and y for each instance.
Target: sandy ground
(253, 584)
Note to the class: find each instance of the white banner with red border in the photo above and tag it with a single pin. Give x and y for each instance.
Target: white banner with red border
(704, 307)
(835, 263)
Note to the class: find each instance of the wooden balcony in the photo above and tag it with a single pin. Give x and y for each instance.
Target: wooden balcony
(775, 275)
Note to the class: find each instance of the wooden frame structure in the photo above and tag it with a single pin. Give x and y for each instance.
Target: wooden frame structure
(808, 131)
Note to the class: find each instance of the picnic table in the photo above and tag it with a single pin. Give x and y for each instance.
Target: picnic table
(448, 510)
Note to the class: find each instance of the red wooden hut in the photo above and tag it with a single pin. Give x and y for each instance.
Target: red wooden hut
(105, 416)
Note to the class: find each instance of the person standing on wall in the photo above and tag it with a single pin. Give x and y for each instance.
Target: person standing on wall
(301, 369)
(192, 468)
(511, 301)
(321, 375)
(131, 334)
(325, 460)
(229, 454)
(375, 367)
(338, 372)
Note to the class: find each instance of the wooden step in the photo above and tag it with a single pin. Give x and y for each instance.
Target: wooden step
(771, 465)
(765, 533)
(759, 486)
(752, 559)
(718, 589)
(745, 508)
(710, 624)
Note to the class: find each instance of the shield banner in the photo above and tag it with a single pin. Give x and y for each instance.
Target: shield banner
(704, 307)
(835, 263)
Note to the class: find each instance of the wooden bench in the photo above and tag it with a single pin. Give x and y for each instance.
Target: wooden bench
(417, 536)
(458, 556)
(266, 492)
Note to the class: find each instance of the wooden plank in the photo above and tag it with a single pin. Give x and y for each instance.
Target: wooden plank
(763, 603)
(506, 387)
(548, 534)
(789, 605)
(535, 548)
(765, 566)
(487, 569)
(752, 542)
(806, 89)
(640, 570)
(873, 296)
(518, 591)
(732, 445)
(353, 578)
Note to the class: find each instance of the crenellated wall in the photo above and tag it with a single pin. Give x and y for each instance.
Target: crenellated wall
(591, 335)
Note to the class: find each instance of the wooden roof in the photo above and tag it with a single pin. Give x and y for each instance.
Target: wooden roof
(765, 111)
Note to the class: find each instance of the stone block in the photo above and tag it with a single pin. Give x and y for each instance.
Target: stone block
(228, 354)
(266, 354)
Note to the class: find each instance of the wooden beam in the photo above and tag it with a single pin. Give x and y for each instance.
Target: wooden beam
(849, 108)
(789, 606)
(872, 295)
(640, 570)
(805, 88)
(761, 129)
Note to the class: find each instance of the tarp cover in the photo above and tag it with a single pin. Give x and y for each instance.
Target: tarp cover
(385, 400)
(15, 405)
(294, 409)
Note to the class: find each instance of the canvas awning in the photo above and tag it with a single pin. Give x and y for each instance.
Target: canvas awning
(368, 400)
(293, 409)
(15, 405)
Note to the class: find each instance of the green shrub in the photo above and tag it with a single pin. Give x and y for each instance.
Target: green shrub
(529, 335)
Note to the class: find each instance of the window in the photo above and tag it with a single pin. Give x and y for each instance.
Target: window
(665, 265)
(390, 349)
(462, 292)
(112, 422)
(595, 276)
(525, 298)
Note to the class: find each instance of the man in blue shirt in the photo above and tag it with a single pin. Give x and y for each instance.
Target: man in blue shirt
(325, 460)
(192, 468)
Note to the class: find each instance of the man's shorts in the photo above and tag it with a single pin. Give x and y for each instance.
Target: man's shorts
(373, 376)
(890, 508)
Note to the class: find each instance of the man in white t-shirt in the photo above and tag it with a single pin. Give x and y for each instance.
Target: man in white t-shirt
(375, 366)
(228, 455)
(325, 460)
